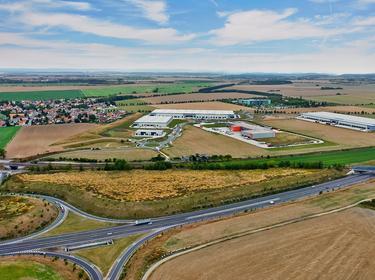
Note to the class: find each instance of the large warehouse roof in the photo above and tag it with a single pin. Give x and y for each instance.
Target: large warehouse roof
(182, 111)
(341, 118)
(153, 119)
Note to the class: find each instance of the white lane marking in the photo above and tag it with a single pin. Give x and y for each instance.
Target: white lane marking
(231, 209)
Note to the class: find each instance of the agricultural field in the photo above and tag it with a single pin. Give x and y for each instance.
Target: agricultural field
(101, 133)
(155, 89)
(141, 193)
(40, 95)
(195, 140)
(37, 140)
(344, 138)
(348, 109)
(244, 224)
(127, 153)
(19, 93)
(349, 95)
(37, 268)
(195, 97)
(6, 135)
(328, 247)
(20, 216)
(213, 105)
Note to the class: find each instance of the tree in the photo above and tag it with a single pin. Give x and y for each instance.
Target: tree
(2, 153)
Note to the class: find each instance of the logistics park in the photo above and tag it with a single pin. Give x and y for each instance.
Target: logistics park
(201, 176)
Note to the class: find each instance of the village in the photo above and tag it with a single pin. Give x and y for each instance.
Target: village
(79, 110)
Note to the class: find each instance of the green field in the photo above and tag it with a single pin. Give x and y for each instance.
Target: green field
(157, 89)
(40, 95)
(20, 270)
(7, 134)
(345, 157)
(184, 87)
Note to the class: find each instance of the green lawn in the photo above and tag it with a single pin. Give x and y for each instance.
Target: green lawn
(7, 134)
(21, 270)
(40, 95)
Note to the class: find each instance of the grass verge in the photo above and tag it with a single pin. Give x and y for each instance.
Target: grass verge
(76, 223)
(105, 256)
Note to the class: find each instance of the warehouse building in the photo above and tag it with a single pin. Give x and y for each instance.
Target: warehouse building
(153, 121)
(257, 102)
(340, 120)
(149, 133)
(194, 114)
(252, 131)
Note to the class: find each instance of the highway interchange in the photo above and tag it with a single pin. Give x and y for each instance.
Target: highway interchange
(40, 245)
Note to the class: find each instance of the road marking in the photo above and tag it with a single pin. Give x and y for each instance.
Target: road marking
(233, 209)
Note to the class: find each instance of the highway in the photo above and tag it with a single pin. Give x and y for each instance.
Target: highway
(210, 213)
(163, 223)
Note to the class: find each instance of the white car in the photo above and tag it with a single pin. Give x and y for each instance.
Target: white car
(272, 202)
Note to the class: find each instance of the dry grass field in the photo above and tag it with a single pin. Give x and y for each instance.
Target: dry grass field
(34, 140)
(341, 136)
(195, 140)
(198, 234)
(117, 129)
(335, 109)
(214, 105)
(350, 94)
(195, 97)
(20, 215)
(338, 246)
(141, 185)
(129, 154)
(30, 267)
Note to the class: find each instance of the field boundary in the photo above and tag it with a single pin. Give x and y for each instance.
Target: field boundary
(245, 233)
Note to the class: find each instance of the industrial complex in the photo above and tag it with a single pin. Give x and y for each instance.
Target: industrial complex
(153, 121)
(340, 120)
(252, 131)
(195, 114)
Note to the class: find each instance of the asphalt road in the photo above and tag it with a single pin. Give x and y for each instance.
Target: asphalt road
(163, 223)
(175, 220)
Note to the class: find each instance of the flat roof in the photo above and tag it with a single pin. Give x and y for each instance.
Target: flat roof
(154, 119)
(341, 117)
(183, 111)
(149, 130)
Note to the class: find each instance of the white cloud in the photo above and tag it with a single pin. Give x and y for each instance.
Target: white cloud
(263, 25)
(369, 21)
(153, 10)
(45, 4)
(33, 16)
(32, 53)
(85, 24)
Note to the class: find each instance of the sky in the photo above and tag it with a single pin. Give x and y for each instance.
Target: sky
(231, 36)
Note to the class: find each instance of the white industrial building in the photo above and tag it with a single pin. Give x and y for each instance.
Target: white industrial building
(149, 121)
(195, 114)
(152, 133)
(253, 131)
(341, 120)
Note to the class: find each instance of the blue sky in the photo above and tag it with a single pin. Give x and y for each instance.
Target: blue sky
(236, 36)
